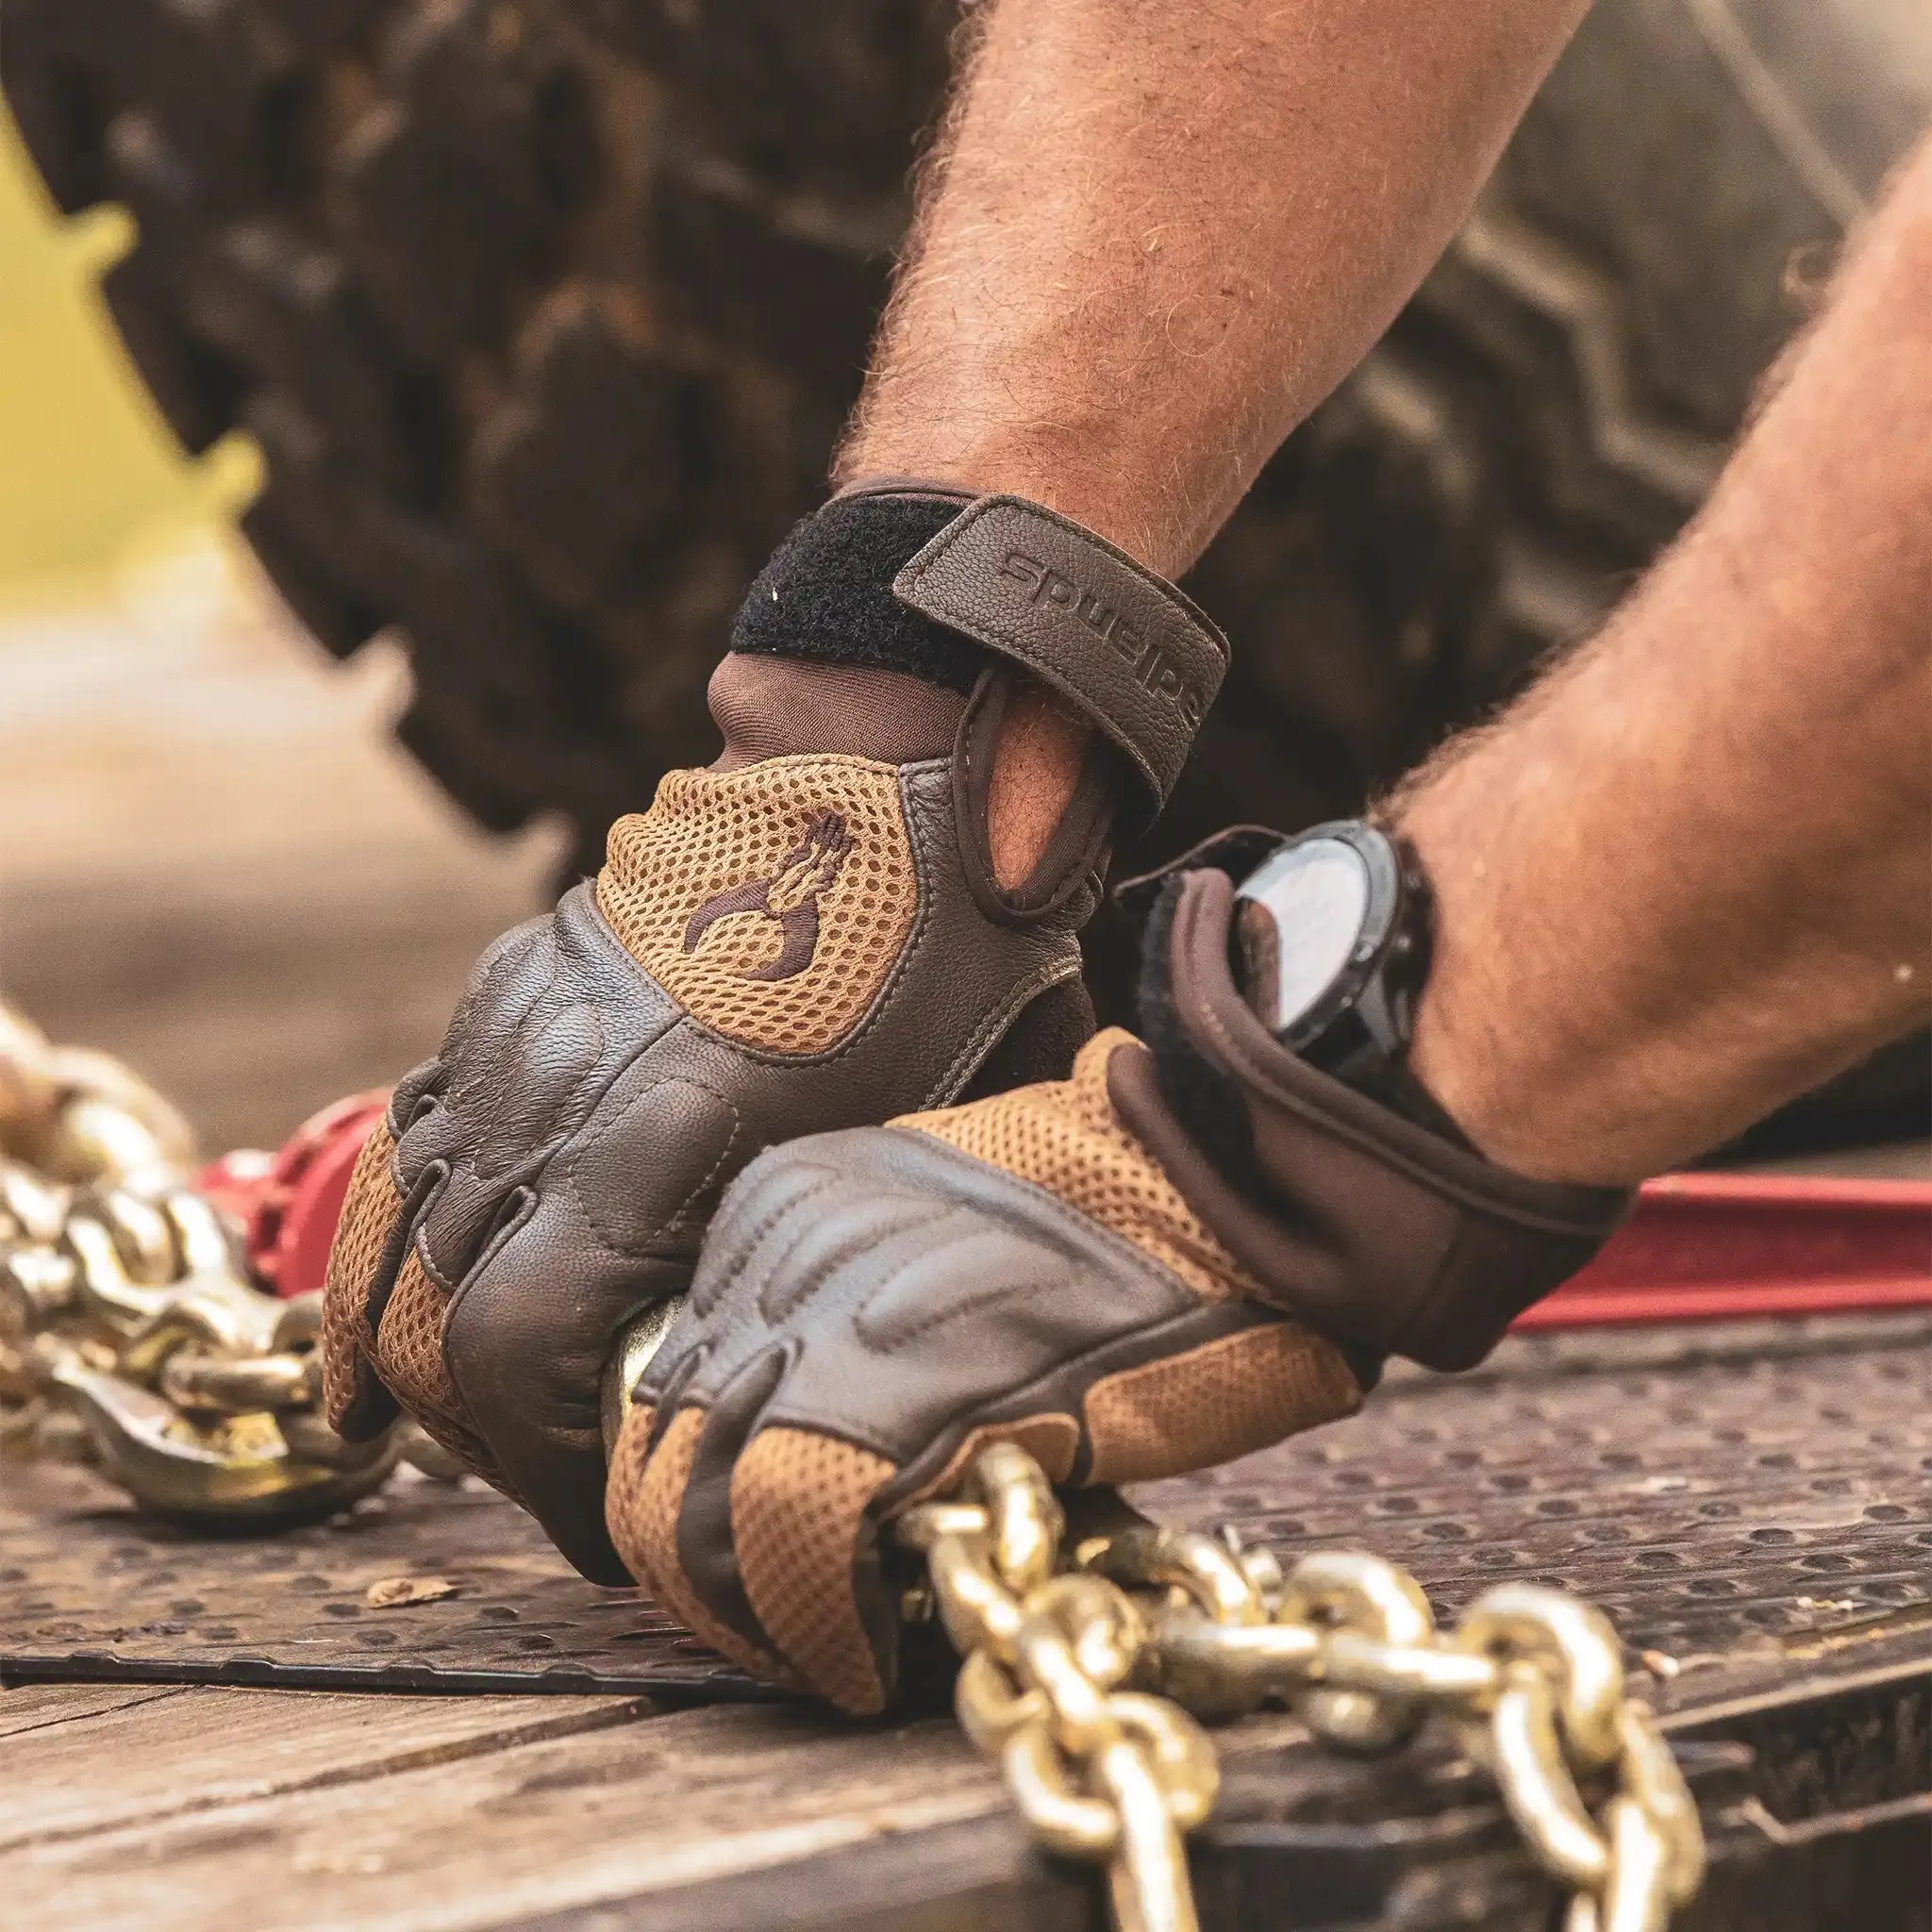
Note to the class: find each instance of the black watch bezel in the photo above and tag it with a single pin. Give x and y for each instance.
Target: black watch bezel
(1367, 1012)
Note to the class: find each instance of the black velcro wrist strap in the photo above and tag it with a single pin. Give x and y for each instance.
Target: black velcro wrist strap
(1134, 654)
(826, 595)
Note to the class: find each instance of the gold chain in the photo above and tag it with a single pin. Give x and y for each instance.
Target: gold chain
(131, 1339)
(1083, 1660)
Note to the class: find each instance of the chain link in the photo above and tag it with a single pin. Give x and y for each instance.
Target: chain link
(131, 1338)
(1082, 1666)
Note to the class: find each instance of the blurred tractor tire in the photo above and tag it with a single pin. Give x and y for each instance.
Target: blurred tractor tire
(545, 314)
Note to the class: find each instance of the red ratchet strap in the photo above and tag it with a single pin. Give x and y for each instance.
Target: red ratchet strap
(1713, 1247)
(288, 1204)
(1700, 1247)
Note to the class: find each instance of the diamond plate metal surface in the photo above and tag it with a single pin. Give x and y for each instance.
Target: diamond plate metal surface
(1739, 1499)
(1745, 1502)
(90, 1590)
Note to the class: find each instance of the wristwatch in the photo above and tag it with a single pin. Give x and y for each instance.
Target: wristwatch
(1331, 937)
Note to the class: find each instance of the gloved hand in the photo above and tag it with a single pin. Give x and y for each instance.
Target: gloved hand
(1064, 1267)
(808, 935)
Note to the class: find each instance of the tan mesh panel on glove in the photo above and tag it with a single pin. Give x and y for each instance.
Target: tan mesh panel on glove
(408, 1355)
(797, 1500)
(368, 1211)
(642, 1498)
(1215, 1403)
(710, 891)
(1064, 1136)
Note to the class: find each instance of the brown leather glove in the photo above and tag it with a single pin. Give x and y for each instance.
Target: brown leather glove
(1064, 1267)
(805, 936)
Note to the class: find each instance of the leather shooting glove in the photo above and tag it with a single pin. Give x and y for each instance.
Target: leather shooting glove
(1066, 1267)
(808, 935)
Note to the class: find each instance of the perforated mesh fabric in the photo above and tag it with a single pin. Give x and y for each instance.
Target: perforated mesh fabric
(368, 1211)
(1224, 1399)
(1052, 1441)
(769, 902)
(408, 1344)
(642, 1495)
(1064, 1136)
(408, 1356)
(797, 1499)
(624, 1490)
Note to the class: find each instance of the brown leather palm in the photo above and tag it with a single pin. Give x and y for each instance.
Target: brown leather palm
(874, 1307)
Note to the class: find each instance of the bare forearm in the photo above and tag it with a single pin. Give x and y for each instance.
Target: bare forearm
(1691, 875)
(1166, 230)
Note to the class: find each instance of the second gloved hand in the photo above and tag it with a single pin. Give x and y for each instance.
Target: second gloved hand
(1064, 1267)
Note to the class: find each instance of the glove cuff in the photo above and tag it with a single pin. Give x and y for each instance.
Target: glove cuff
(826, 595)
(919, 579)
(1364, 1224)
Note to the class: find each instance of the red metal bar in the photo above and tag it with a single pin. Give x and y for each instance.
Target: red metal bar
(1706, 1247)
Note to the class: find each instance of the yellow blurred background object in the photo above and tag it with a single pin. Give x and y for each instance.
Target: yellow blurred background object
(92, 479)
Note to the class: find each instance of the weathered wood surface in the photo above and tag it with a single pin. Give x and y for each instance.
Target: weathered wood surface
(229, 1808)
(42, 1706)
(212, 1811)
(178, 1751)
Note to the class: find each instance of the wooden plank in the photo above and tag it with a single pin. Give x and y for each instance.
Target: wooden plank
(967, 1877)
(494, 1836)
(145, 1755)
(40, 1706)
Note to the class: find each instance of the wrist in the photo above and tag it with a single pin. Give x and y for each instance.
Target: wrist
(1521, 1069)
(1087, 492)
(1467, 1050)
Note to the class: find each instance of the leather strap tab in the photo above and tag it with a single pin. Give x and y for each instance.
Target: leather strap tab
(1122, 644)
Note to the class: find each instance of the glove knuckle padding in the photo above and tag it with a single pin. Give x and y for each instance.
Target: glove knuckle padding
(875, 1280)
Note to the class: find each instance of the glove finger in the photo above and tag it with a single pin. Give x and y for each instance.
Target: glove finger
(524, 1345)
(357, 1403)
(645, 1498)
(410, 1359)
(807, 1553)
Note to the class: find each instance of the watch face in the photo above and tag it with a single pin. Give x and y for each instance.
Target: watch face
(1300, 918)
